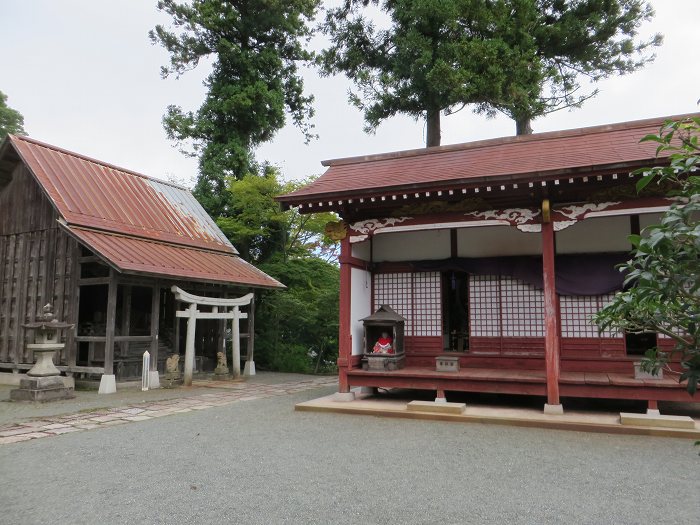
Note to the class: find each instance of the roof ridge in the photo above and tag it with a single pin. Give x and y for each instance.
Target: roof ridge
(93, 160)
(499, 141)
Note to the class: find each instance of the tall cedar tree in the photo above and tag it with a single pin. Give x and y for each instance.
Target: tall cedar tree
(11, 120)
(255, 46)
(522, 57)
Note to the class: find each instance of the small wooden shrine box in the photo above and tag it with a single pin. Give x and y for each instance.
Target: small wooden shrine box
(378, 353)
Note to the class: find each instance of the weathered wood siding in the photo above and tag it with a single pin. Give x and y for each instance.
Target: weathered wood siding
(37, 266)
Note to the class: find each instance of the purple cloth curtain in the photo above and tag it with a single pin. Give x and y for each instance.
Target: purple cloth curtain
(580, 274)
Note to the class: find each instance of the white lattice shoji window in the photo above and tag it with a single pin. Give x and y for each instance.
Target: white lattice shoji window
(577, 315)
(427, 307)
(415, 296)
(485, 305)
(522, 307)
(504, 307)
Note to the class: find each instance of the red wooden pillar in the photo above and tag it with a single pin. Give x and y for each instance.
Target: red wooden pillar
(551, 310)
(344, 335)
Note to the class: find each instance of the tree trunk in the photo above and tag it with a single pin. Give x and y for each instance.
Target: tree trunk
(433, 128)
(523, 126)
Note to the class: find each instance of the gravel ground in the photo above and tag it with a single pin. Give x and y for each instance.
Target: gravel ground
(261, 462)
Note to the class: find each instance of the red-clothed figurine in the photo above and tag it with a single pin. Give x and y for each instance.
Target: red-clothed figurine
(384, 345)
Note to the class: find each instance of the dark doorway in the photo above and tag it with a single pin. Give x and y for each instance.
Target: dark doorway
(638, 344)
(456, 311)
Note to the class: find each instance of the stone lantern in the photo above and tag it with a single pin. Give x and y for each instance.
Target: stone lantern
(44, 381)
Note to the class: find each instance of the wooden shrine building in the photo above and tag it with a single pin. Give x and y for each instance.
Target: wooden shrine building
(105, 245)
(496, 253)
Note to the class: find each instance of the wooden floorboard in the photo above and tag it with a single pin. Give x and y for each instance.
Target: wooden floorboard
(520, 376)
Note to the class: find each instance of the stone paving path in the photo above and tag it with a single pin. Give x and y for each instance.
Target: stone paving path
(230, 393)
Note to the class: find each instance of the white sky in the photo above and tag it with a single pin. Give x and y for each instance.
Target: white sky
(86, 78)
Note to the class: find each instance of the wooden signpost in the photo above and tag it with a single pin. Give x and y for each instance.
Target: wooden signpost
(220, 309)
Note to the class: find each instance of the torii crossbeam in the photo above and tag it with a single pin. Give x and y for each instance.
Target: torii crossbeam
(192, 314)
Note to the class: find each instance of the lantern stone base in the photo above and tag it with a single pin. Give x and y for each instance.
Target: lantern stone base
(41, 389)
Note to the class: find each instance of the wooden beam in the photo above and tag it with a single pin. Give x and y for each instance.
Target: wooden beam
(155, 325)
(93, 280)
(551, 314)
(126, 319)
(344, 335)
(111, 320)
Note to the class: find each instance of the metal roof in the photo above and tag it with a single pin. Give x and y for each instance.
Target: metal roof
(526, 157)
(94, 194)
(142, 256)
(135, 223)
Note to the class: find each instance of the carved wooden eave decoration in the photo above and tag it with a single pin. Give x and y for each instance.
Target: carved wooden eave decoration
(527, 220)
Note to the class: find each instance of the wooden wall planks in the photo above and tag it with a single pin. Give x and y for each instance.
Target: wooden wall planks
(37, 266)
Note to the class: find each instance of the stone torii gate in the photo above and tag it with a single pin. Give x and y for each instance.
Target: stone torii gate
(192, 314)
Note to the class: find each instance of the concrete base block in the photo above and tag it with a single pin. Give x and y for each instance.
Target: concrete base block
(646, 420)
(653, 412)
(442, 407)
(108, 384)
(249, 368)
(344, 396)
(153, 379)
(641, 374)
(554, 410)
(441, 400)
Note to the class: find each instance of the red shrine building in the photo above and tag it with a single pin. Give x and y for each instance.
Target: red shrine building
(491, 257)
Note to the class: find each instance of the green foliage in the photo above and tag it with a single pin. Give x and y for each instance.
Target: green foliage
(664, 273)
(255, 46)
(11, 121)
(565, 42)
(521, 57)
(434, 56)
(297, 329)
(260, 230)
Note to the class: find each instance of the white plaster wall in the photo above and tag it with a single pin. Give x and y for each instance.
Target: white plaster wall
(361, 250)
(597, 235)
(360, 305)
(648, 219)
(411, 246)
(494, 241)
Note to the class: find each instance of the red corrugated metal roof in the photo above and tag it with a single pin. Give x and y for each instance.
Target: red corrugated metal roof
(94, 194)
(133, 255)
(137, 224)
(510, 158)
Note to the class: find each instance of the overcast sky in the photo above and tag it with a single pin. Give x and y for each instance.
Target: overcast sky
(86, 78)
